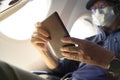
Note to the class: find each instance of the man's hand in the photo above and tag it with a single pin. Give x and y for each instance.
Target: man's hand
(40, 37)
(87, 52)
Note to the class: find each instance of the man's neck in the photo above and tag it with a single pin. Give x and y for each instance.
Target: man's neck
(115, 24)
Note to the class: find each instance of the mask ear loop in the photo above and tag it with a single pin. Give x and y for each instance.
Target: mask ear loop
(116, 9)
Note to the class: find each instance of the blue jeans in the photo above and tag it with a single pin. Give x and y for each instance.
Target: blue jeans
(8, 72)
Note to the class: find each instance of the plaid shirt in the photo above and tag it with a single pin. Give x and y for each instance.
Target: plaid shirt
(110, 40)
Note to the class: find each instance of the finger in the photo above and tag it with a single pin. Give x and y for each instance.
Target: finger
(70, 40)
(72, 56)
(72, 49)
(79, 42)
(69, 55)
(37, 41)
(76, 57)
(42, 32)
(38, 24)
(40, 36)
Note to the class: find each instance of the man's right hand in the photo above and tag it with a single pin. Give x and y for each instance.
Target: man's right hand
(40, 37)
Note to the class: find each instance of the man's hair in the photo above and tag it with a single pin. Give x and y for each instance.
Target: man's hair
(90, 3)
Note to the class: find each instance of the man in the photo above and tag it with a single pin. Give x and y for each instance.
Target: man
(98, 59)
(103, 15)
(107, 18)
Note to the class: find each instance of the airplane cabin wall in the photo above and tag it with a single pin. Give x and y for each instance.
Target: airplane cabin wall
(22, 54)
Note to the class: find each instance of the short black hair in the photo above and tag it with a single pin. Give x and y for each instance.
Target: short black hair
(90, 3)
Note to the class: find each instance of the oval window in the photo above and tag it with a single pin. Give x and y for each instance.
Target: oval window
(20, 25)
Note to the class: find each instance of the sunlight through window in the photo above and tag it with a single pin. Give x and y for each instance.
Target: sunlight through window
(83, 28)
(20, 25)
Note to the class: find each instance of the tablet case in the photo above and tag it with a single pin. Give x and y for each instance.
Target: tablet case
(54, 25)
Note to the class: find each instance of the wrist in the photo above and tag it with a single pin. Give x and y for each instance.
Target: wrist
(107, 65)
(114, 67)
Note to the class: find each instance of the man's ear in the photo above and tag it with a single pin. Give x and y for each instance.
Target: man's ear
(116, 9)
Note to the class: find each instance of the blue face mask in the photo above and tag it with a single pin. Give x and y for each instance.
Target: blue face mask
(104, 17)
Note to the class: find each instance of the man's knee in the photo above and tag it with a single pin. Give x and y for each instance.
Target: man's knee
(9, 72)
(6, 72)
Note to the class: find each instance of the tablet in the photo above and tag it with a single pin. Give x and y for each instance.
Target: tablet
(54, 25)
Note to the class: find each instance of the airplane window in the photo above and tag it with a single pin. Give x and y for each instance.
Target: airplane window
(83, 27)
(20, 25)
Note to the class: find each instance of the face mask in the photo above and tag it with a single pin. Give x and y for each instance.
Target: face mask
(104, 17)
